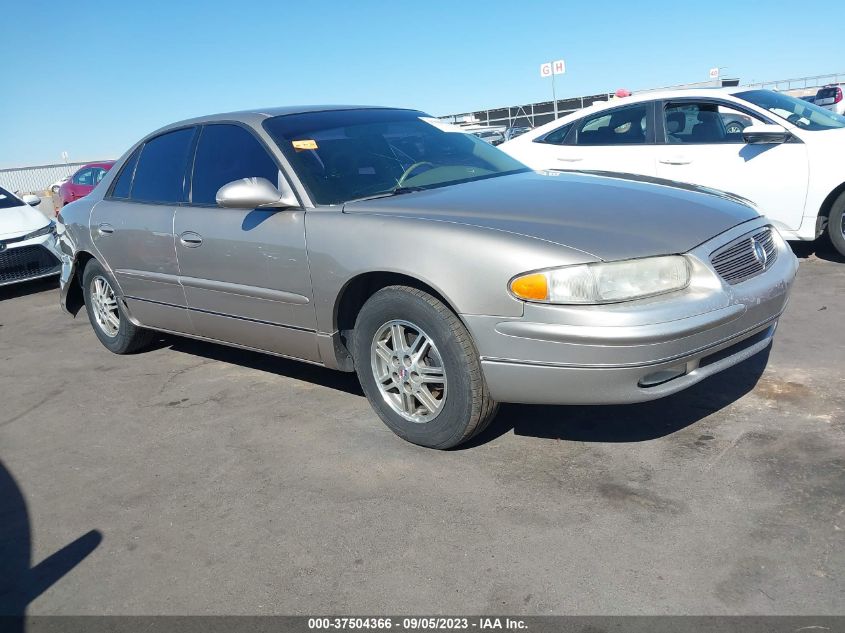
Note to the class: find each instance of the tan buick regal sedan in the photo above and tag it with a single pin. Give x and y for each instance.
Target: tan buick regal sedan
(448, 275)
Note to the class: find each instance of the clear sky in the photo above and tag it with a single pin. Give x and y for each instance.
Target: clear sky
(90, 78)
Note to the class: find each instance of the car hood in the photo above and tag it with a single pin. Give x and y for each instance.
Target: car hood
(17, 221)
(608, 216)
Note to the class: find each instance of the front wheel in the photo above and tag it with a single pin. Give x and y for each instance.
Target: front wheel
(836, 225)
(106, 314)
(419, 368)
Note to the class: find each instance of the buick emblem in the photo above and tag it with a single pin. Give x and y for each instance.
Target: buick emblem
(2, 246)
(759, 252)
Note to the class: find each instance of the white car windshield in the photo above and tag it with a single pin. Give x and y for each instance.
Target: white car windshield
(8, 200)
(802, 114)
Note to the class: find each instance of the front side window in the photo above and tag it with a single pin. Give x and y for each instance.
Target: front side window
(160, 173)
(83, 177)
(343, 155)
(803, 114)
(225, 153)
(705, 123)
(99, 172)
(621, 126)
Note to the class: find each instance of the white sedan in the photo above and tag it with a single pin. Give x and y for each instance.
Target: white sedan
(28, 247)
(782, 153)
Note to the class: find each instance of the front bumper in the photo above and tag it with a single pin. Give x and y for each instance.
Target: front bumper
(636, 351)
(27, 260)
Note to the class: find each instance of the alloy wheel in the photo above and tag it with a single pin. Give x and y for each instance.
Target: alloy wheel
(104, 302)
(408, 371)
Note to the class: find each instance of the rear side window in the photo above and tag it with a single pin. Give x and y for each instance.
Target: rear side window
(160, 173)
(225, 153)
(622, 126)
(124, 181)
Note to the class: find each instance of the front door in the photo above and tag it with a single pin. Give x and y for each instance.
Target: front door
(704, 146)
(132, 228)
(244, 271)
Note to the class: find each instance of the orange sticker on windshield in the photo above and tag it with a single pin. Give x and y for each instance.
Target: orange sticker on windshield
(306, 144)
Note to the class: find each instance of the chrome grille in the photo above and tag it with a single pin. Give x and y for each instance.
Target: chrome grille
(740, 260)
(26, 262)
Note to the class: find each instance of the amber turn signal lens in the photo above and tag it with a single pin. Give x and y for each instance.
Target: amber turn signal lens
(531, 287)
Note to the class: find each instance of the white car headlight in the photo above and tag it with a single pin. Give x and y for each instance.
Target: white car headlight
(609, 282)
(50, 229)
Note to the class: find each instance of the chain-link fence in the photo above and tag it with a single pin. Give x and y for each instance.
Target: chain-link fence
(36, 179)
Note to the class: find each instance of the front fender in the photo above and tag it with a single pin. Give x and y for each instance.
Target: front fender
(468, 266)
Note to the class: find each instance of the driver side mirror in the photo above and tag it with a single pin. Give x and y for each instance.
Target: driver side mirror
(256, 193)
(31, 200)
(760, 134)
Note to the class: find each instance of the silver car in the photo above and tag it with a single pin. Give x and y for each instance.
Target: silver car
(449, 276)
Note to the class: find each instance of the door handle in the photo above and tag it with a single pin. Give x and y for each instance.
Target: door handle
(676, 160)
(570, 160)
(105, 229)
(190, 239)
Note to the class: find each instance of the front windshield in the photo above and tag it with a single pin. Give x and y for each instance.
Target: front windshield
(7, 200)
(343, 155)
(802, 114)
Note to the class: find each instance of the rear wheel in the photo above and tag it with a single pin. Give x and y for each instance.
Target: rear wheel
(419, 368)
(106, 313)
(836, 225)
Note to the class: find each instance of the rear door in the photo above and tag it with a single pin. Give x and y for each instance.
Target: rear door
(702, 144)
(132, 228)
(245, 271)
(618, 140)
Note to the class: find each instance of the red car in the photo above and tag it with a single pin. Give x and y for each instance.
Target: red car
(82, 182)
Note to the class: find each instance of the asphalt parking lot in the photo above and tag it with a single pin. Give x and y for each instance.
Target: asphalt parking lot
(198, 479)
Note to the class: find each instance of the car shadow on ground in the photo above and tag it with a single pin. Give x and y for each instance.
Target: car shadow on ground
(599, 423)
(298, 370)
(20, 581)
(821, 248)
(25, 288)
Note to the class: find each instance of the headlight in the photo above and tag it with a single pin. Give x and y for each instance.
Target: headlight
(604, 282)
(50, 229)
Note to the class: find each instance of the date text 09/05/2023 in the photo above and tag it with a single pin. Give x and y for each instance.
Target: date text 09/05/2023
(416, 623)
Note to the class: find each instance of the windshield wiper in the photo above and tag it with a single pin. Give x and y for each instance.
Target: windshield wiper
(396, 191)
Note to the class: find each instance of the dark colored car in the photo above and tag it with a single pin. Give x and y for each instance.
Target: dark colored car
(83, 182)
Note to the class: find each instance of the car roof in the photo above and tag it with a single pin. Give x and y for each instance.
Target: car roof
(102, 163)
(257, 115)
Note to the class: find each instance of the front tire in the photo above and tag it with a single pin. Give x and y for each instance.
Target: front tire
(419, 368)
(836, 225)
(107, 315)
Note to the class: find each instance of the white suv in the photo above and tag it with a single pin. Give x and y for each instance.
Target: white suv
(781, 153)
(830, 98)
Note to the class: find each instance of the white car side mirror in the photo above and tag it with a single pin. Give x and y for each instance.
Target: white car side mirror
(759, 134)
(31, 200)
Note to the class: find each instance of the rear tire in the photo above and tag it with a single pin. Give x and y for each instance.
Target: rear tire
(836, 225)
(419, 368)
(107, 314)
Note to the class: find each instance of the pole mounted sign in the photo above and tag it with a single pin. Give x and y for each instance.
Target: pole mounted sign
(714, 73)
(550, 69)
(553, 68)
